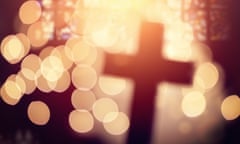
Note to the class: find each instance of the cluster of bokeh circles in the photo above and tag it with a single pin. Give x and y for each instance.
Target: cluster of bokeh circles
(79, 61)
(54, 69)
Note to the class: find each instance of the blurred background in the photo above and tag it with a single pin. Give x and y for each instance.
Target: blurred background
(53, 88)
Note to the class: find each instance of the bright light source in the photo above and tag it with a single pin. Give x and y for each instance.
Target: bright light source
(81, 121)
(230, 107)
(193, 104)
(30, 11)
(38, 112)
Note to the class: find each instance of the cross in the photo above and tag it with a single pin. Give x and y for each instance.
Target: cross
(147, 69)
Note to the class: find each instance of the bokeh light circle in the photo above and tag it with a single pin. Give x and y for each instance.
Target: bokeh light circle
(103, 106)
(83, 99)
(30, 11)
(84, 77)
(119, 125)
(81, 121)
(230, 107)
(193, 104)
(38, 113)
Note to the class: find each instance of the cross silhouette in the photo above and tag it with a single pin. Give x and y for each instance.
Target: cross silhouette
(147, 69)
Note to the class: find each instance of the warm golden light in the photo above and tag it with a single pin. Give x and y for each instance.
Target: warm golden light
(30, 84)
(61, 54)
(12, 49)
(77, 49)
(19, 81)
(206, 76)
(112, 86)
(230, 107)
(30, 67)
(63, 82)
(81, 121)
(119, 125)
(193, 104)
(83, 99)
(104, 106)
(30, 12)
(52, 68)
(36, 34)
(25, 41)
(38, 113)
(46, 51)
(44, 85)
(84, 77)
(11, 93)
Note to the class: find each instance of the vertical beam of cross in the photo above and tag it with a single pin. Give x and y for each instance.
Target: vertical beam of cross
(147, 69)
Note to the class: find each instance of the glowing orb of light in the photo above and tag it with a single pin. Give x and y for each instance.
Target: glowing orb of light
(30, 84)
(38, 113)
(112, 86)
(63, 82)
(81, 121)
(19, 81)
(83, 99)
(12, 49)
(206, 76)
(59, 52)
(230, 107)
(104, 106)
(25, 41)
(84, 77)
(77, 50)
(119, 125)
(44, 85)
(11, 92)
(30, 11)
(52, 68)
(193, 104)
(30, 66)
(37, 34)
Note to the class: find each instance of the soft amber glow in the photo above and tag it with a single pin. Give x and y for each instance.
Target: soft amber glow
(104, 106)
(77, 22)
(112, 86)
(38, 113)
(83, 99)
(44, 85)
(36, 34)
(12, 49)
(104, 38)
(25, 41)
(45, 52)
(80, 51)
(84, 77)
(193, 104)
(91, 58)
(19, 81)
(52, 68)
(88, 56)
(206, 76)
(230, 107)
(81, 121)
(30, 12)
(63, 83)
(30, 66)
(11, 92)
(30, 84)
(119, 125)
(60, 53)
(185, 127)
(201, 52)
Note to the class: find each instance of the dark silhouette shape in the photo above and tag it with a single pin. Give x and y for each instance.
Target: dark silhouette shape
(147, 69)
